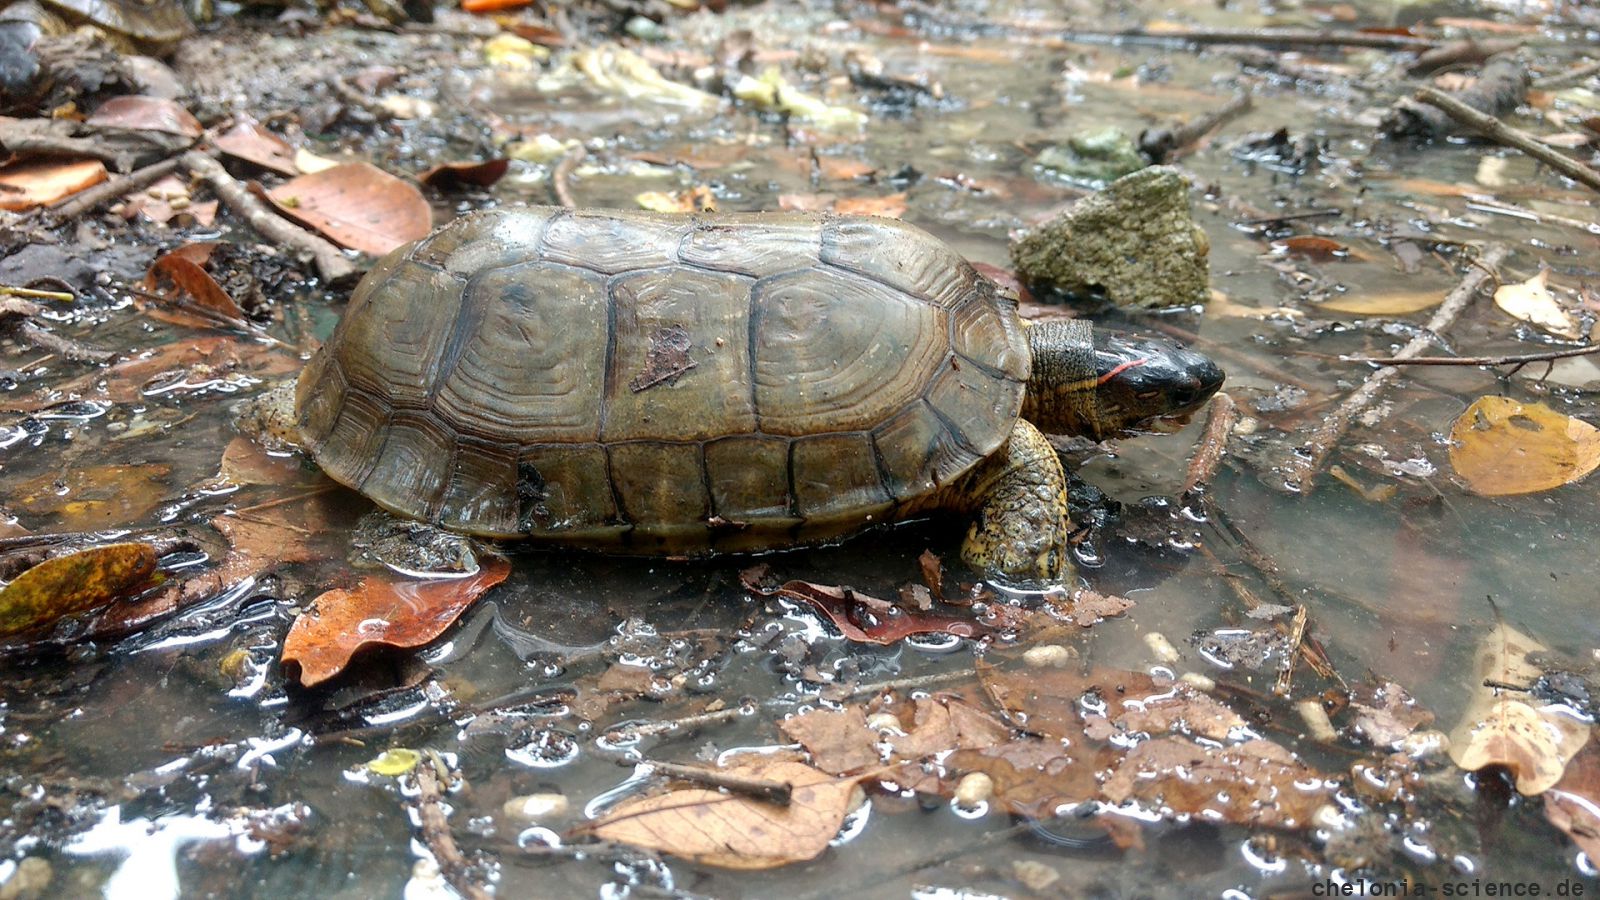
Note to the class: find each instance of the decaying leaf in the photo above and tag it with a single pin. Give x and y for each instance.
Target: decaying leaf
(245, 462)
(733, 831)
(249, 141)
(891, 206)
(1385, 714)
(1573, 804)
(1086, 607)
(1257, 783)
(838, 740)
(1532, 742)
(1396, 303)
(1532, 302)
(358, 205)
(192, 297)
(1104, 703)
(85, 498)
(861, 617)
(1500, 446)
(147, 114)
(75, 583)
(454, 176)
(383, 611)
(696, 199)
(26, 185)
(1314, 246)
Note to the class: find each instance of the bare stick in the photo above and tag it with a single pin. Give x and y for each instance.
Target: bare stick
(778, 792)
(1213, 444)
(1305, 461)
(1297, 637)
(331, 261)
(1501, 133)
(1162, 144)
(1569, 78)
(562, 175)
(1275, 37)
(1509, 360)
(436, 834)
(116, 187)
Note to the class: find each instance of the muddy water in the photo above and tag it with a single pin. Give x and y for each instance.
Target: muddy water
(160, 764)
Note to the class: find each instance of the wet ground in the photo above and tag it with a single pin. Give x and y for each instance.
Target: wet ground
(228, 780)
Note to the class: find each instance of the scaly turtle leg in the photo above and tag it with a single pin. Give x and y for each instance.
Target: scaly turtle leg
(1019, 498)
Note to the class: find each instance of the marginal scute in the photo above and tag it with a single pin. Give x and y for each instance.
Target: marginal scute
(986, 329)
(836, 352)
(920, 453)
(660, 392)
(982, 406)
(318, 395)
(482, 493)
(393, 349)
(566, 489)
(414, 464)
(484, 240)
(834, 472)
(350, 449)
(660, 485)
(748, 478)
(784, 242)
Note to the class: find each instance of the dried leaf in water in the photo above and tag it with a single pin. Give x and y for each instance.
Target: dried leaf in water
(381, 610)
(249, 141)
(74, 583)
(1397, 303)
(1033, 777)
(245, 462)
(1573, 804)
(1501, 447)
(1385, 714)
(891, 206)
(1532, 302)
(867, 619)
(696, 199)
(1257, 783)
(194, 297)
(838, 740)
(733, 831)
(1532, 743)
(455, 176)
(141, 113)
(26, 185)
(86, 498)
(357, 205)
(1312, 245)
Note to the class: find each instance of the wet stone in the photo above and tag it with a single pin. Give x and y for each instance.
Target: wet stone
(411, 547)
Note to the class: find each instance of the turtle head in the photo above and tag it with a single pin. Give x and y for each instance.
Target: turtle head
(1101, 384)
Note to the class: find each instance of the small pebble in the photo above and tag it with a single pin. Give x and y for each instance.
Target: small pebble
(883, 721)
(1048, 656)
(29, 879)
(1198, 682)
(1425, 744)
(1318, 725)
(1161, 647)
(973, 789)
(535, 807)
(1034, 875)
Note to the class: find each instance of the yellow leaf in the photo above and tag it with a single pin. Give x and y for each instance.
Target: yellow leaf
(1532, 302)
(1504, 447)
(394, 762)
(1395, 304)
(74, 583)
(733, 831)
(509, 51)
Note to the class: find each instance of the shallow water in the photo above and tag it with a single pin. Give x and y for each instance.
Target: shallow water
(167, 729)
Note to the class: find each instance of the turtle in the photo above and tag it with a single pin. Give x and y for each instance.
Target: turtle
(689, 384)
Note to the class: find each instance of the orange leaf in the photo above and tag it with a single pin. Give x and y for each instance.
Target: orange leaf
(892, 206)
(453, 176)
(1313, 246)
(248, 141)
(147, 114)
(382, 611)
(43, 183)
(178, 279)
(358, 205)
(489, 6)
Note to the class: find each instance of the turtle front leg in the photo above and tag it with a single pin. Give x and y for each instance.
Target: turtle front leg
(1019, 500)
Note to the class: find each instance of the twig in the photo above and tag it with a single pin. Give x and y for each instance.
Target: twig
(1279, 37)
(1213, 444)
(778, 792)
(1501, 133)
(436, 834)
(1305, 461)
(1290, 217)
(1471, 51)
(1567, 79)
(45, 339)
(1297, 637)
(1508, 360)
(562, 174)
(331, 261)
(1162, 144)
(34, 294)
(106, 191)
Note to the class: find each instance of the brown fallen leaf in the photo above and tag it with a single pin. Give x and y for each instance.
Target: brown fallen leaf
(75, 583)
(864, 618)
(381, 610)
(696, 199)
(1087, 608)
(837, 739)
(733, 831)
(1105, 703)
(26, 185)
(1500, 447)
(1312, 245)
(1385, 714)
(188, 294)
(891, 206)
(141, 113)
(455, 176)
(357, 205)
(249, 141)
(178, 369)
(1257, 783)
(1391, 304)
(245, 462)
(86, 498)
(1573, 804)
(1032, 776)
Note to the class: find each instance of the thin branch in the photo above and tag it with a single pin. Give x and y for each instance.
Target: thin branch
(1507, 360)
(778, 792)
(435, 828)
(1569, 78)
(561, 176)
(330, 260)
(1213, 444)
(110, 190)
(1501, 133)
(1275, 37)
(1304, 462)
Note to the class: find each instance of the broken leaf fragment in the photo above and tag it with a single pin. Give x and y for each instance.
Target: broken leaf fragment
(734, 831)
(1500, 447)
(394, 762)
(33, 184)
(74, 583)
(1532, 302)
(381, 610)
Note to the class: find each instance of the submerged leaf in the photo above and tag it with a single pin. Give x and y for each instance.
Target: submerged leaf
(1500, 447)
(1392, 304)
(383, 611)
(1573, 804)
(1257, 783)
(1532, 302)
(74, 583)
(733, 831)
